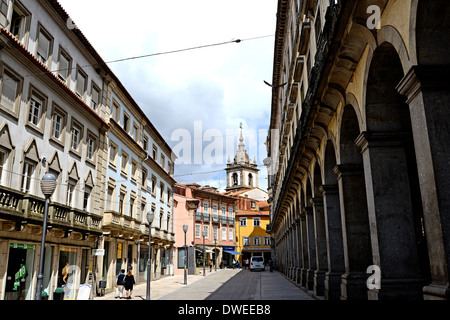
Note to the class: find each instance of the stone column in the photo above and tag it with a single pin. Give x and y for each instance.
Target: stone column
(312, 265)
(298, 241)
(304, 246)
(355, 231)
(335, 250)
(428, 91)
(321, 246)
(391, 215)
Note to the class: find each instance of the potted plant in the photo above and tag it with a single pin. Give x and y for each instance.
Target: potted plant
(44, 295)
(58, 294)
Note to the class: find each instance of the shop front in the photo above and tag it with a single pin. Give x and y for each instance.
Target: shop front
(19, 278)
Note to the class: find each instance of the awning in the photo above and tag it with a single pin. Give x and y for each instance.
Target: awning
(232, 252)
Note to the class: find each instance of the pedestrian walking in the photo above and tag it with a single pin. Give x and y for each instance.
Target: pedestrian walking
(246, 262)
(129, 282)
(270, 265)
(234, 264)
(120, 284)
(210, 265)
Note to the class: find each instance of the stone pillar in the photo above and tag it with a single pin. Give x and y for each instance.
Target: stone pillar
(304, 246)
(335, 250)
(391, 215)
(321, 246)
(298, 241)
(356, 235)
(312, 265)
(428, 91)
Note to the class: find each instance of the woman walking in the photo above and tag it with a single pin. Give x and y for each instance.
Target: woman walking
(129, 282)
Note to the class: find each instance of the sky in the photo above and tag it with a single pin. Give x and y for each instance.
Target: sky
(197, 99)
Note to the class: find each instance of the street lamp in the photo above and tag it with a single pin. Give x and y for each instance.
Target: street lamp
(215, 252)
(204, 250)
(185, 229)
(48, 186)
(150, 218)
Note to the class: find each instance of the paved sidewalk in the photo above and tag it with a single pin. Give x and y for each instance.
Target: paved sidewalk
(162, 287)
(224, 284)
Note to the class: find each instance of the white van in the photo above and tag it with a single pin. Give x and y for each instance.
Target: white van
(256, 263)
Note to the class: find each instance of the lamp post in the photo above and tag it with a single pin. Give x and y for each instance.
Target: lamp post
(150, 218)
(204, 250)
(215, 253)
(48, 186)
(185, 229)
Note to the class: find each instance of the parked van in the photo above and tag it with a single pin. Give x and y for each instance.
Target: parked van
(256, 263)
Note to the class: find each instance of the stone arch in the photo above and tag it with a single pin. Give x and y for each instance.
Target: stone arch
(353, 202)
(391, 179)
(333, 224)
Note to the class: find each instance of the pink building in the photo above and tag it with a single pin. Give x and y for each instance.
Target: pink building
(203, 209)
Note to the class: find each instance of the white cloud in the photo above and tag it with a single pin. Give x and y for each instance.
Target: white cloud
(221, 86)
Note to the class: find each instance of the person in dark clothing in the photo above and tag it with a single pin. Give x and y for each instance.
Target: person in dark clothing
(120, 283)
(270, 265)
(129, 282)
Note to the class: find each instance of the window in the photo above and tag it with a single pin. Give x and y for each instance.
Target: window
(121, 202)
(110, 198)
(230, 212)
(215, 233)
(205, 207)
(246, 241)
(256, 222)
(34, 115)
(161, 191)
(230, 234)
(126, 122)
(197, 231)
(257, 241)
(115, 108)
(95, 97)
(163, 161)
(70, 192)
(64, 66)
(57, 126)
(145, 143)
(135, 132)
(44, 46)
(318, 25)
(3, 158)
(143, 209)
(253, 204)
(124, 164)
(81, 83)
(11, 87)
(153, 185)
(169, 197)
(243, 222)
(131, 211)
(144, 178)
(215, 212)
(266, 241)
(76, 137)
(206, 228)
(155, 152)
(224, 234)
(27, 176)
(19, 21)
(90, 148)
(134, 170)
(87, 197)
(250, 179)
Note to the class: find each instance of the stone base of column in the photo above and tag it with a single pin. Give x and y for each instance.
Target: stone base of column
(436, 292)
(310, 279)
(400, 289)
(332, 289)
(304, 277)
(319, 282)
(354, 286)
(299, 275)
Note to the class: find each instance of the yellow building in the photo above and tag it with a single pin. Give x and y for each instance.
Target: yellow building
(252, 217)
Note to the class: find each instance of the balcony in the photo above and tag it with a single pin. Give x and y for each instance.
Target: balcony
(31, 208)
(215, 218)
(198, 216)
(206, 217)
(120, 224)
(230, 221)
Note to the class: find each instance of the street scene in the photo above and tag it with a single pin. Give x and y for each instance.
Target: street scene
(223, 284)
(271, 150)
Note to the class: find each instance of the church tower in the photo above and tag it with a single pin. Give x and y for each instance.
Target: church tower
(241, 172)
